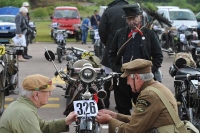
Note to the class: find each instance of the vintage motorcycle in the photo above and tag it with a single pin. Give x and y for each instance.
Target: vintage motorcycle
(8, 73)
(187, 91)
(33, 33)
(177, 39)
(86, 94)
(61, 36)
(98, 45)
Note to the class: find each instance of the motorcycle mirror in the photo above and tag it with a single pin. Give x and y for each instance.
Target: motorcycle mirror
(49, 55)
(180, 63)
(101, 94)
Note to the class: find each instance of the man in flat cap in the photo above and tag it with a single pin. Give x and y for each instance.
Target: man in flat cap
(21, 115)
(132, 42)
(150, 112)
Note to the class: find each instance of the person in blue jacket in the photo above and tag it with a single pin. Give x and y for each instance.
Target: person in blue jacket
(85, 26)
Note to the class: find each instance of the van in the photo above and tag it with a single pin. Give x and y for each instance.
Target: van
(179, 17)
(66, 17)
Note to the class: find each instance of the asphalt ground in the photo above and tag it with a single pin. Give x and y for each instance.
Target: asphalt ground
(57, 103)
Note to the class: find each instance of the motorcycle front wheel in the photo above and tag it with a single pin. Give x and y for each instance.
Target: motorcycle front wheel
(2, 92)
(60, 54)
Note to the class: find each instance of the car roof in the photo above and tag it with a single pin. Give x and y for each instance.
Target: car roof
(179, 10)
(66, 7)
(167, 7)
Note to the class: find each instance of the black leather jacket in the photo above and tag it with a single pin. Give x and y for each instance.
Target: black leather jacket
(151, 49)
(111, 21)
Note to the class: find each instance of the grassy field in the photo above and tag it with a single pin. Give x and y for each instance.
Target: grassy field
(43, 31)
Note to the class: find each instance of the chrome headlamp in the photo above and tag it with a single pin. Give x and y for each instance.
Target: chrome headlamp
(87, 73)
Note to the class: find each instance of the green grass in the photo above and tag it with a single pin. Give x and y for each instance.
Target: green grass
(43, 31)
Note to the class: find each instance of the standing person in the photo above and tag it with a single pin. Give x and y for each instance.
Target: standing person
(29, 30)
(21, 115)
(95, 19)
(150, 113)
(132, 42)
(21, 29)
(107, 29)
(85, 26)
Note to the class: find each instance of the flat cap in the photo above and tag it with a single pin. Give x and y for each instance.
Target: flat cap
(38, 82)
(139, 66)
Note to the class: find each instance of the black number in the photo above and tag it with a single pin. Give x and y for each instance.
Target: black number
(86, 108)
(1, 51)
(92, 108)
(80, 108)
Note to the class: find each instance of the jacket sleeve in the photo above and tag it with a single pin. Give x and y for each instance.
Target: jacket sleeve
(18, 21)
(103, 28)
(112, 56)
(143, 117)
(123, 118)
(31, 123)
(156, 55)
(54, 126)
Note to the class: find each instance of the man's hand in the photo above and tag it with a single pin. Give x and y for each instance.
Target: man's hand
(71, 118)
(108, 112)
(103, 118)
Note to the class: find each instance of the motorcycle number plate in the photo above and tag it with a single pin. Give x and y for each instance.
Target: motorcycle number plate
(182, 37)
(60, 37)
(85, 107)
(2, 50)
(96, 35)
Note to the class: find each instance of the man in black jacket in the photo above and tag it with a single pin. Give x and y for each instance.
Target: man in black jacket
(111, 21)
(133, 42)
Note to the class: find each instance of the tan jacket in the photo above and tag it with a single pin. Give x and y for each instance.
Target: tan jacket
(149, 112)
(21, 117)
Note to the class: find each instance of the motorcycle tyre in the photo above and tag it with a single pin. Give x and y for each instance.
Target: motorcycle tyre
(59, 53)
(2, 93)
(97, 51)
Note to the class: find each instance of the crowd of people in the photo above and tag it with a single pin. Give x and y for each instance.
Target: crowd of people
(130, 49)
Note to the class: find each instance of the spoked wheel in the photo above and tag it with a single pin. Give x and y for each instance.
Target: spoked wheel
(2, 92)
(60, 54)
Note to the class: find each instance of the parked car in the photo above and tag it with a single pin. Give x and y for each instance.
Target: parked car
(7, 28)
(66, 17)
(179, 16)
(198, 18)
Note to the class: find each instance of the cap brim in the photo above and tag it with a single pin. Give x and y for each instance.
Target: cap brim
(124, 75)
(52, 87)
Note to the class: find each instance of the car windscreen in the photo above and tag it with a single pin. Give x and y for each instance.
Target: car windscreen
(66, 14)
(181, 15)
(10, 19)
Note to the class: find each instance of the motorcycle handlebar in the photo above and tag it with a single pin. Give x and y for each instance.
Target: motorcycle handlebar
(188, 77)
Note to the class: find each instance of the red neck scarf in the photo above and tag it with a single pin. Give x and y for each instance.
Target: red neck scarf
(136, 30)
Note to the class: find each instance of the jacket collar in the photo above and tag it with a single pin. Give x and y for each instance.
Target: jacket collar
(28, 102)
(146, 84)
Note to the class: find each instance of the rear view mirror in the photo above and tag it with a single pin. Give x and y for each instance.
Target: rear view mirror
(49, 55)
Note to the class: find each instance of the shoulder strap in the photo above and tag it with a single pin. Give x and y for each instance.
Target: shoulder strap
(95, 18)
(179, 124)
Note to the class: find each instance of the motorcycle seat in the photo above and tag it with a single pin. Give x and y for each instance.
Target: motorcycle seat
(184, 71)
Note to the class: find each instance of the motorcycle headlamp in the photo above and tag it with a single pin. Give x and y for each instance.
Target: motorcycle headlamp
(87, 74)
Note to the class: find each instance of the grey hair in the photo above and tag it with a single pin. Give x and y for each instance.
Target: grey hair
(23, 10)
(145, 77)
(26, 93)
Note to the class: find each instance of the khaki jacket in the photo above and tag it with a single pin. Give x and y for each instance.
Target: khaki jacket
(21, 117)
(149, 112)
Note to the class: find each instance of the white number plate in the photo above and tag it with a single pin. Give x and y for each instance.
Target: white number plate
(3, 31)
(84, 107)
(96, 35)
(182, 37)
